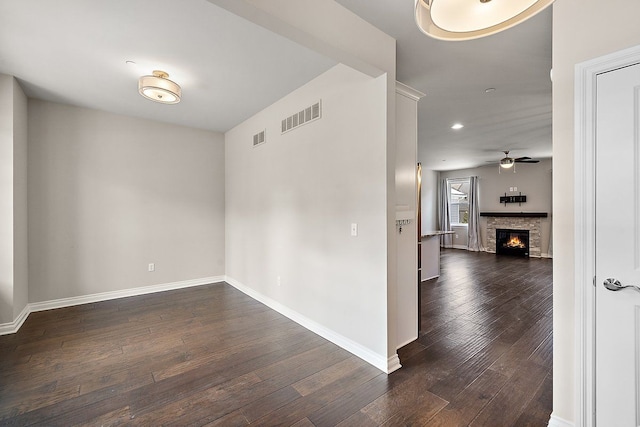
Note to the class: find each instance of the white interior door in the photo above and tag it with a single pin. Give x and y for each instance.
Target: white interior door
(617, 330)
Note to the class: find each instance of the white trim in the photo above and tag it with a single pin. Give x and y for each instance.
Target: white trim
(13, 327)
(555, 421)
(408, 91)
(393, 364)
(9, 328)
(381, 362)
(463, 247)
(584, 219)
(637, 361)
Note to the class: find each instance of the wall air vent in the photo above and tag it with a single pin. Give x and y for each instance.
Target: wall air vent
(302, 117)
(258, 138)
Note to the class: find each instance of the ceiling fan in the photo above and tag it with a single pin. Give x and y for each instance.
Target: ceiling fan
(508, 162)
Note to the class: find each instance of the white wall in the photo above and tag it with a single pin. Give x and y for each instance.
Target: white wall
(429, 199)
(109, 194)
(21, 264)
(290, 204)
(326, 27)
(333, 30)
(532, 180)
(407, 204)
(13, 202)
(582, 30)
(6, 198)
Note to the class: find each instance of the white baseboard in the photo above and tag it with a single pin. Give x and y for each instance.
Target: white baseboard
(556, 421)
(546, 256)
(393, 364)
(381, 362)
(10, 328)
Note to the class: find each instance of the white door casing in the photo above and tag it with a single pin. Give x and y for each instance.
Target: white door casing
(617, 247)
(606, 153)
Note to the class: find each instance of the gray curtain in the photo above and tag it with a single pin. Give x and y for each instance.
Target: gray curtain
(473, 229)
(444, 219)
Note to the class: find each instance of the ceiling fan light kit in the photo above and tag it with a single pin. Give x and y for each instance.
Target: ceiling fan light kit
(159, 88)
(472, 19)
(509, 162)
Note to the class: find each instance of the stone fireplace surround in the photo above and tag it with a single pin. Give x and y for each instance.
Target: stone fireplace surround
(519, 221)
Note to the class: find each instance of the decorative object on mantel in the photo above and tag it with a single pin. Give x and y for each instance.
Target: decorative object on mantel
(515, 214)
(520, 199)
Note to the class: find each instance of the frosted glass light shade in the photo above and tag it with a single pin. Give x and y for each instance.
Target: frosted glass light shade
(159, 88)
(471, 19)
(506, 163)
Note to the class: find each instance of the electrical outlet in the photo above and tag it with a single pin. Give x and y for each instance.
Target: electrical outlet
(456, 236)
(278, 281)
(152, 267)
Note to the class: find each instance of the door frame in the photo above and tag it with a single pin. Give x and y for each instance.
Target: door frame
(586, 74)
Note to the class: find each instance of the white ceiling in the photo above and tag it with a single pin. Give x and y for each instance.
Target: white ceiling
(74, 52)
(454, 76)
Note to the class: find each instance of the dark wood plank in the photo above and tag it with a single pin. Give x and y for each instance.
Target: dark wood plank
(209, 355)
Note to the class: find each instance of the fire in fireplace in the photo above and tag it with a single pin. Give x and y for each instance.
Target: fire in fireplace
(512, 242)
(515, 242)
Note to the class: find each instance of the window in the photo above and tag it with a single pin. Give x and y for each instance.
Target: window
(458, 191)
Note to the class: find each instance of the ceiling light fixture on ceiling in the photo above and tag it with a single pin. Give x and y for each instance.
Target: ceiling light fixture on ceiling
(507, 162)
(159, 88)
(457, 126)
(472, 19)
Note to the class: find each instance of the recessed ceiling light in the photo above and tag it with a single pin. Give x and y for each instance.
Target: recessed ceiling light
(490, 89)
(130, 63)
(457, 126)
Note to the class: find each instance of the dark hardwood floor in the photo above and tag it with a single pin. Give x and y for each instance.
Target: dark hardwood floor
(212, 356)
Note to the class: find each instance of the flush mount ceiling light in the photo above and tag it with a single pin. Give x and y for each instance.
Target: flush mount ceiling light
(159, 88)
(472, 19)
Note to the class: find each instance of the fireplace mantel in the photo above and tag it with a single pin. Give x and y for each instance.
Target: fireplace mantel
(515, 214)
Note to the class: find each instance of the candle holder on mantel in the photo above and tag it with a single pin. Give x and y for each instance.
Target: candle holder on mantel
(520, 199)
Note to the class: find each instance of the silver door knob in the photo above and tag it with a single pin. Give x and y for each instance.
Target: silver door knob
(615, 285)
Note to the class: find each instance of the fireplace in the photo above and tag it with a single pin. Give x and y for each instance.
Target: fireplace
(512, 242)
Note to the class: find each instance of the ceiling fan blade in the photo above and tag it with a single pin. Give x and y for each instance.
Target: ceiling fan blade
(523, 158)
(526, 161)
